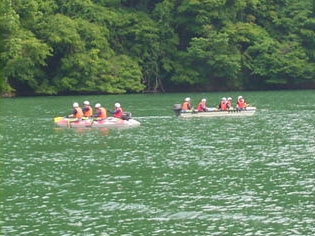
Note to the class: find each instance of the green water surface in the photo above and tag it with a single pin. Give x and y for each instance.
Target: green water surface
(209, 176)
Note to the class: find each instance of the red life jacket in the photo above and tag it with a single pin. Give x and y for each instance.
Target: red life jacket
(241, 103)
(118, 112)
(223, 106)
(201, 106)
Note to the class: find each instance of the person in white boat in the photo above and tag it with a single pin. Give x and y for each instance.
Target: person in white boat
(186, 106)
(241, 104)
(76, 112)
(202, 105)
(222, 105)
(229, 105)
(100, 112)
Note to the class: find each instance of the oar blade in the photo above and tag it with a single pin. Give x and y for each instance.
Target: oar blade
(58, 119)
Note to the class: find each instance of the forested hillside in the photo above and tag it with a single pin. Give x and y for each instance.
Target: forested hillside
(127, 46)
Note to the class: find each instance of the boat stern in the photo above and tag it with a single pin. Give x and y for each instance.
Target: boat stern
(177, 108)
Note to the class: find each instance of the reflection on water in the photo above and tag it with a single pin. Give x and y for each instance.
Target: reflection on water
(252, 176)
(100, 131)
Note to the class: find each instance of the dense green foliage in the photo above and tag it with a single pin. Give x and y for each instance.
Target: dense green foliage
(121, 46)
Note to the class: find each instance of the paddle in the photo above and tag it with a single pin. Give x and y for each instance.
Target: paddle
(58, 119)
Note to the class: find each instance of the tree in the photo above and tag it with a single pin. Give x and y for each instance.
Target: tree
(85, 46)
(22, 55)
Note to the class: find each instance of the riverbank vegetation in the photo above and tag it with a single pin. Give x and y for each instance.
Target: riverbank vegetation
(127, 46)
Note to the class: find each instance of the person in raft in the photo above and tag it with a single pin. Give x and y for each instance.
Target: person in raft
(87, 110)
(118, 111)
(202, 105)
(223, 104)
(100, 112)
(186, 106)
(77, 113)
(241, 104)
(229, 105)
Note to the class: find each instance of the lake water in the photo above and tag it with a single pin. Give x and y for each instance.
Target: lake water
(218, 176)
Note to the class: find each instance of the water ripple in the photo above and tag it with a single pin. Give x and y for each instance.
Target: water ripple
(252, 176)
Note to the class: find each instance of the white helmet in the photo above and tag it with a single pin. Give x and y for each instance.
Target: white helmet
(187, 99)
(223, 99)
(75, 104)
(239, 97)
(97, 105)
(117, 104)
(229, 98)
(203, 100)
(87, 103)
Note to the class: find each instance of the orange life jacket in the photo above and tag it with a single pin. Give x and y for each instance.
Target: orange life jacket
(87, 111)
(186, 106)
(118, 112)
(78, 112)
(102, 113)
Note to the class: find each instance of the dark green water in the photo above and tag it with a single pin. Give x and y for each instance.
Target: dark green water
(218, 176)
